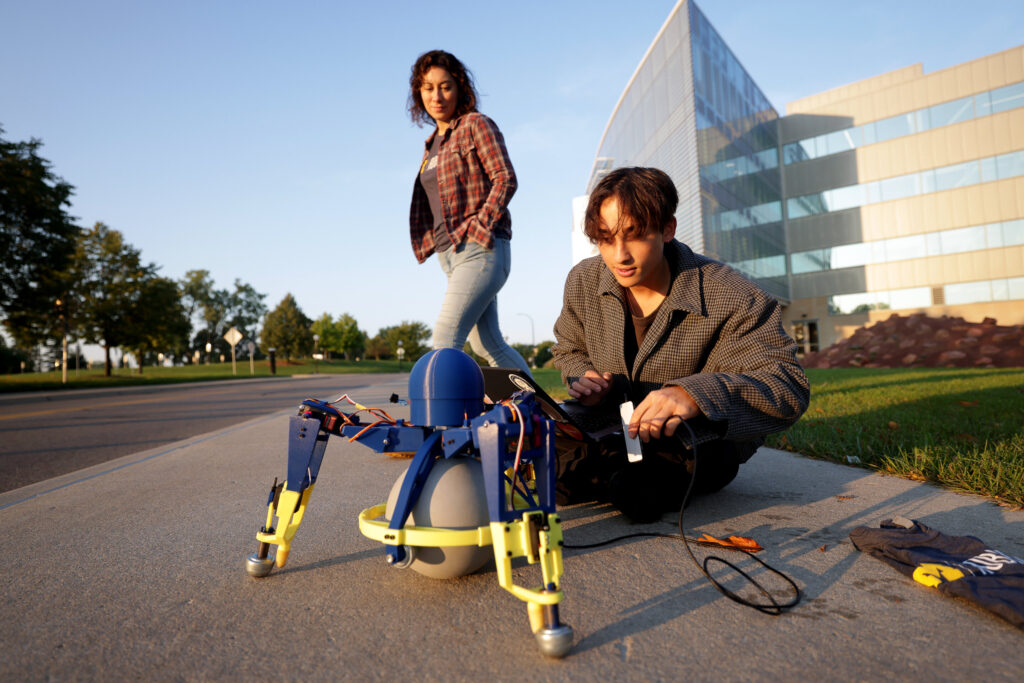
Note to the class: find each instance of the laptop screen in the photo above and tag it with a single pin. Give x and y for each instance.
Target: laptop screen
(500, 383)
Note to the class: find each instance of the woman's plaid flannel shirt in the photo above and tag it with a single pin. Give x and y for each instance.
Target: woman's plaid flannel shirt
(476, 182)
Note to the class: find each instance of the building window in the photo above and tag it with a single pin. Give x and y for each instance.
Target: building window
(957, 240)
(1000, 167)
(956, 294)
(984, 291)
(895, 299)
(1002, 99)
(805, 334)
(936, 116)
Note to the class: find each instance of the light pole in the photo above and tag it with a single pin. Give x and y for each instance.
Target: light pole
(209, 347)
(400, 353)
(64, 342)
(316, 361)
(533, 339)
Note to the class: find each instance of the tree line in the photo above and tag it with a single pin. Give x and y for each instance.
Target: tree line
(293, 335)
(288, 330)
(60, 281)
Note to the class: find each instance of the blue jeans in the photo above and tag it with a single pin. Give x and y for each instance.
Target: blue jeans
(470, 307)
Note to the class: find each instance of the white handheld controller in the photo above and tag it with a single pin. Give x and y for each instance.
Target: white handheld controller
(634, 451)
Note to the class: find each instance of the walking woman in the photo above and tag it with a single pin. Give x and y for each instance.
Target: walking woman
(460, 206)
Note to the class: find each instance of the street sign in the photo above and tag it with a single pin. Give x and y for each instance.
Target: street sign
(233, 336)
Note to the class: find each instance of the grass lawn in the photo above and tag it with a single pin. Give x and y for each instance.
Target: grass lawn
(91, 379)
(550, 380)
(960, 428)
(957, 427)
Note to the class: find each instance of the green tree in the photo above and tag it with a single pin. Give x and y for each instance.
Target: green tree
(37, 242)
(327, 331)
(544, 354)
(378, 347)
(411, 334)
(352, 340)
(214, 311)
(157, 321)
(11, 359)
(287, 329)
(111, 279)
(211, 311)
(526, 351)
(245, 307)
(196, 289)
(207, 308)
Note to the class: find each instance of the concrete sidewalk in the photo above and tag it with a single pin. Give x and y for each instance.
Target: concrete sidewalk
(135, 569)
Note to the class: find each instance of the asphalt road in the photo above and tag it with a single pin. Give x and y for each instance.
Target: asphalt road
(47, 435)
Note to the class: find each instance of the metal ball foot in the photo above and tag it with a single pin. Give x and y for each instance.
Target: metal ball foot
(555, 642)
(257, 566)
(406, 562)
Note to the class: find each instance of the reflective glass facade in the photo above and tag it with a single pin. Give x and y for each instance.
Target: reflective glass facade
(737, 151)
(692, 110)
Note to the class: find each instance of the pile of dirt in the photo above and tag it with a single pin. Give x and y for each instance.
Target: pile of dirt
(920, 341)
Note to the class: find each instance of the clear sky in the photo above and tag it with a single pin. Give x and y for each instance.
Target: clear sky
(268, 141)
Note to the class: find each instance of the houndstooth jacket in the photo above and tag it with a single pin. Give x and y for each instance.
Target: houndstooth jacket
(717, 335)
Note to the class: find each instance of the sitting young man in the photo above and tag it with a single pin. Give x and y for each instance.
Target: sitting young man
(680, 335)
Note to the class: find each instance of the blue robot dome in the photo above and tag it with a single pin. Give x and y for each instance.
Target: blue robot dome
(445, 387)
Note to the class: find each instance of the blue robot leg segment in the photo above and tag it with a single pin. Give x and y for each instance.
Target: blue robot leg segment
(411, 489)
(491, 437)
(306, 445)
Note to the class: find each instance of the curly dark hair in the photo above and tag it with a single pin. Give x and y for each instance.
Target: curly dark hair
(451, 64)
(647, 195)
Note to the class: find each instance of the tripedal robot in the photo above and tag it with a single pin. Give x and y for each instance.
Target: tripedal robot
(508, 449)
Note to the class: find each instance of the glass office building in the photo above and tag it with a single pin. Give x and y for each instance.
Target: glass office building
(900, 193)
(692, 110)
(905, 193)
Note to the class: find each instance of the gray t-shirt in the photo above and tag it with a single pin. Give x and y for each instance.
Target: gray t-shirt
(428, 178)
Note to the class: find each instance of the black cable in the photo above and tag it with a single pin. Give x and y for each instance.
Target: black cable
(774, 608)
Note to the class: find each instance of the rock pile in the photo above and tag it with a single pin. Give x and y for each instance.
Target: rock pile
(920, 341)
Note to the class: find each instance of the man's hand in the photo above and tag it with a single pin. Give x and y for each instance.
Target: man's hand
(591, 388)
(661, 413)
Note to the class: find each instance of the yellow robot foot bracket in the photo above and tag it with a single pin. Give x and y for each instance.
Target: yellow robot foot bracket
(538, 538)
(290, 507)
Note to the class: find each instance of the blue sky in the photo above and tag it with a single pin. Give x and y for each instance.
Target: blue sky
(268, 141)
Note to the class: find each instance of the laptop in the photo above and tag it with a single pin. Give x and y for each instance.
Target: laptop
(571, 418)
